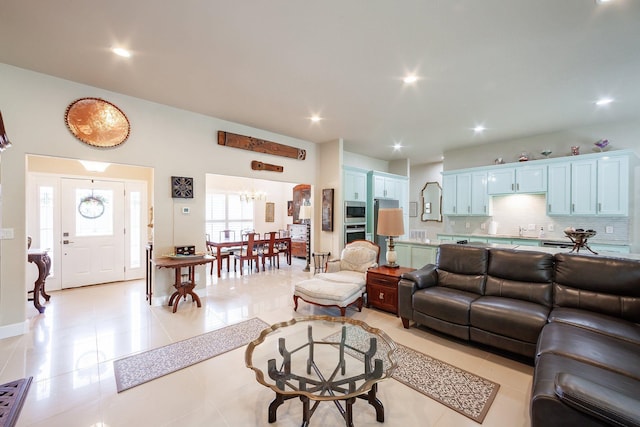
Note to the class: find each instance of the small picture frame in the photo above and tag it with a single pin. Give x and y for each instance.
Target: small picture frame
(181, 187)
(413, 209)
(290, 208)
(269, 212)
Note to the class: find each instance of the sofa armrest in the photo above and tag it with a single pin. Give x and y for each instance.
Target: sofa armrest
(333, 266)
(425, 277)
(598, 401)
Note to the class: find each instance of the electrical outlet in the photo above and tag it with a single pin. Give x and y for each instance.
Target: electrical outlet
(550, 227)
(608, 229)
(483, 226)
(531, 227)
(467, 225)
(452, 222)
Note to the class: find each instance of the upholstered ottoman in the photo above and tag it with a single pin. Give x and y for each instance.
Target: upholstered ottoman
(330, 294)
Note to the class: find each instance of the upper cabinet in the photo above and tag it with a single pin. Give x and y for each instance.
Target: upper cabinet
(355, 185)
(465, 194)
(522, 179)
(385, 187)
(590, 184)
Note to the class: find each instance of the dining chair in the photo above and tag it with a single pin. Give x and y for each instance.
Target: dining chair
(248, 252)
(224, 254)
(284, 247)
(270, 250)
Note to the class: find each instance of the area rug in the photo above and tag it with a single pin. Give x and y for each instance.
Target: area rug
(12, 396)
(462, 391)
(140, 368)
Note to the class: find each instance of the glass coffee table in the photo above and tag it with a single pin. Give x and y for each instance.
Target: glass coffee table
(322, 358)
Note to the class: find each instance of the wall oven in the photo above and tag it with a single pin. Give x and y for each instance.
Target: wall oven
(354, 232)
(355, 212)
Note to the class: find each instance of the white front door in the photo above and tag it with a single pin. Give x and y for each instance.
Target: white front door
(92, 232)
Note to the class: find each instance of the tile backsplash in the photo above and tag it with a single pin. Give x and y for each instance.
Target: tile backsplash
(523, 210)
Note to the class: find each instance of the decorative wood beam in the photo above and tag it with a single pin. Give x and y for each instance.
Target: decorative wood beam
(259, 166)
(260, 145)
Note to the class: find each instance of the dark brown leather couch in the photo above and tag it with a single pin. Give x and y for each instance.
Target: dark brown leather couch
(576, 316)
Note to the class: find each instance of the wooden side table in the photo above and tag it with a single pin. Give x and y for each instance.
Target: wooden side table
(183, 288)
(382, 287)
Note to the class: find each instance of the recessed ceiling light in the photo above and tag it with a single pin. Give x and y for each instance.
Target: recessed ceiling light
(604, 101)
(121, 52)
(315, 118)
(411, 78)
(397, 146)
(479, 129)
(603, 1)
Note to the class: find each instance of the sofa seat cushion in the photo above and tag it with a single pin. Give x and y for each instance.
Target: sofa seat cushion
(344, 276)
(512, 318)
(447, 304)
(590, 347)
(327, 292)
(549, 411)
(597, 322)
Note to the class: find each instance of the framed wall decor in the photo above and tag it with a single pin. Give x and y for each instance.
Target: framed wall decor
(181, 187)
(327, 209)
(413, 209)
(290, 208)
(97, 122)
(269, 212)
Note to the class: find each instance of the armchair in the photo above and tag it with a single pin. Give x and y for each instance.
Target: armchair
(344, 282)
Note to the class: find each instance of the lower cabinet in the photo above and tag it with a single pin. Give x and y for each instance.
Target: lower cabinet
(382, 287)
(415, 255)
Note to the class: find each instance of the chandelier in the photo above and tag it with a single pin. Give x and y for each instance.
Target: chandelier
(249, 196)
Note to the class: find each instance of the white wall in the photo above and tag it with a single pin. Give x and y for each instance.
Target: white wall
(171, 141)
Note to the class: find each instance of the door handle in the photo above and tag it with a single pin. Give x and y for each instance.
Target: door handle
(66, 242)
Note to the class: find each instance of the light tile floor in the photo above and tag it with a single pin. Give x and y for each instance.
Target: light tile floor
(70, 349)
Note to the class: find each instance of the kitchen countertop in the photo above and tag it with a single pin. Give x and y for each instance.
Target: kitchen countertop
(559, 239)
(549, 250)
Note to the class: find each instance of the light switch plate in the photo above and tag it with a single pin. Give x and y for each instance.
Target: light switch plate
(6, 233)
(186, 210)
(608, 229)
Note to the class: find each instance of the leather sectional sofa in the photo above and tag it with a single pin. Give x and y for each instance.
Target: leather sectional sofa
(576, 316)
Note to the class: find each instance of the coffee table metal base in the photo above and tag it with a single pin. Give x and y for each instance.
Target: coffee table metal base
(346, 411)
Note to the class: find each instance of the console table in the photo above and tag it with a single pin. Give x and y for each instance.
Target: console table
(42, 260)
(183, 288)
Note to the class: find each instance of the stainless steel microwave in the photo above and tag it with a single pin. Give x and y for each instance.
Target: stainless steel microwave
(355, 212)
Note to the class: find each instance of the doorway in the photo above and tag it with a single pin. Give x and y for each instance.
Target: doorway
(93, 224)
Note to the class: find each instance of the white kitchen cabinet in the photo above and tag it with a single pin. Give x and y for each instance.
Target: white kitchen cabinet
(465, 194)
(613, 186)
(583, 187)
(415, 255)
(355, 185)
(386, 187)
(521, 179)
(559, 189)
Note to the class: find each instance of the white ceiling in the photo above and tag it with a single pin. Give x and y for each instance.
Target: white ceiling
(520, 67)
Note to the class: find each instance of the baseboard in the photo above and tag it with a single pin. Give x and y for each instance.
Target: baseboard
(14, 329)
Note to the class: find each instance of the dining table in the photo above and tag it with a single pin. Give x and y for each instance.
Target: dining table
(220, 244)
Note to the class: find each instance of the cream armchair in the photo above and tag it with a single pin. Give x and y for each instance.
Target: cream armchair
(344, 282)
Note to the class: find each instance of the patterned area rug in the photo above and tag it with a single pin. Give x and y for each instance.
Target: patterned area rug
(462, 391)
(140, 368)
(12, 397)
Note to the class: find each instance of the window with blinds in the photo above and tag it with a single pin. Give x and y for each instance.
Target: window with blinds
(227, 212)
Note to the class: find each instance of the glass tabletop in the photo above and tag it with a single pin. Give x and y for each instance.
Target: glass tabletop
(321, 357)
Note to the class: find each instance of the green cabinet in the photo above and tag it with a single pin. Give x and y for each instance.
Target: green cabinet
(415, 255)
(522, 179)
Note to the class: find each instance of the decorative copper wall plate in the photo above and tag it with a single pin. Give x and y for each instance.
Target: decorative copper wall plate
(97, 122)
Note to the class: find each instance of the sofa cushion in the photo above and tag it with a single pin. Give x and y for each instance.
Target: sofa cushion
(590, 347)
(603, 285)
(462, 267)
(597, 322)
(525, 275)
(509, 317)
(443, 303)
(357, 258)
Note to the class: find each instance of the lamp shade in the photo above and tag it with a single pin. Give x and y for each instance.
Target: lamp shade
(305, 212)
(390, 222)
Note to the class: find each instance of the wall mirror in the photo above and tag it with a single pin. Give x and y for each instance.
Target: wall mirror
(432, 202)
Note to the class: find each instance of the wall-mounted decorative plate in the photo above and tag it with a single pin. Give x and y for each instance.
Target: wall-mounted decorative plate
(181, 187)
(97, 122)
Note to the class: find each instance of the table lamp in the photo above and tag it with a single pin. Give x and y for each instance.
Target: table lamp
(305, 215)
(390, 224)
